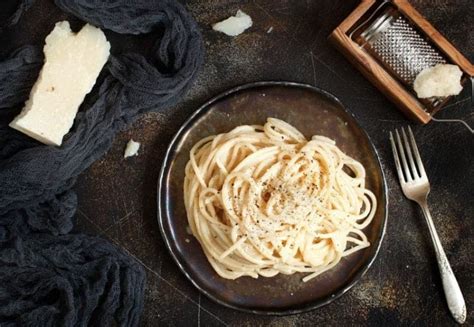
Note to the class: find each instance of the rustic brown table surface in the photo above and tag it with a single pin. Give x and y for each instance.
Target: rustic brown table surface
(403, 286)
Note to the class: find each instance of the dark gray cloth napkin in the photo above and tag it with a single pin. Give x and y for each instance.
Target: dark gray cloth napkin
(50, 276)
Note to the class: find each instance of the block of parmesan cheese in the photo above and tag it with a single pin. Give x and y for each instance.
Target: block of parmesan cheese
(72, 64)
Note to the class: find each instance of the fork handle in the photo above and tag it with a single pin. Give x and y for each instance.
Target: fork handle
(452, 291)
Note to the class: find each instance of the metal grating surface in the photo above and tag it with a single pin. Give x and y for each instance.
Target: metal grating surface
(404, 50)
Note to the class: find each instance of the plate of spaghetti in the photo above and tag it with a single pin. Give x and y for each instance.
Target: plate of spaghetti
(271, 198)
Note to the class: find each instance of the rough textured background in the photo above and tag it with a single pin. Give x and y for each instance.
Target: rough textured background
(403, 285)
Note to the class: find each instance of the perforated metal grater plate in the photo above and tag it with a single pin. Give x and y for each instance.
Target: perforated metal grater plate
(404, 50)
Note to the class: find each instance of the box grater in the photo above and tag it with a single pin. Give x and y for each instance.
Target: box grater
(390, 42)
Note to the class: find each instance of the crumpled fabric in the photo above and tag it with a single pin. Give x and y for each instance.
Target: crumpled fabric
(50, 276)
(23, 6)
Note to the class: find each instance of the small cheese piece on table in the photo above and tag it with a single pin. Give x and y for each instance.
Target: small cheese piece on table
(131, 149)
(72, 64)
(234, 25)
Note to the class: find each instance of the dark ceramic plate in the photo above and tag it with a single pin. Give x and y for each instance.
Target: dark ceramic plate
(312, 111)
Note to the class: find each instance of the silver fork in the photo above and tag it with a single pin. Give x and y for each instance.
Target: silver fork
(415, 186)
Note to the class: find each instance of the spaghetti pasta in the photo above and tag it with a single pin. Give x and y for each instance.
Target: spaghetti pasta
(263, 200)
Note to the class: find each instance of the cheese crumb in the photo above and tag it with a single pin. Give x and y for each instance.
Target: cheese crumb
(234, 25)
(131, 149)
(71, 66)
(439, 81)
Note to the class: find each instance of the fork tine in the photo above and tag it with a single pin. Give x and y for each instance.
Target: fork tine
(416, 153)
(397, 159)
(414, 173)
(403, 157)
